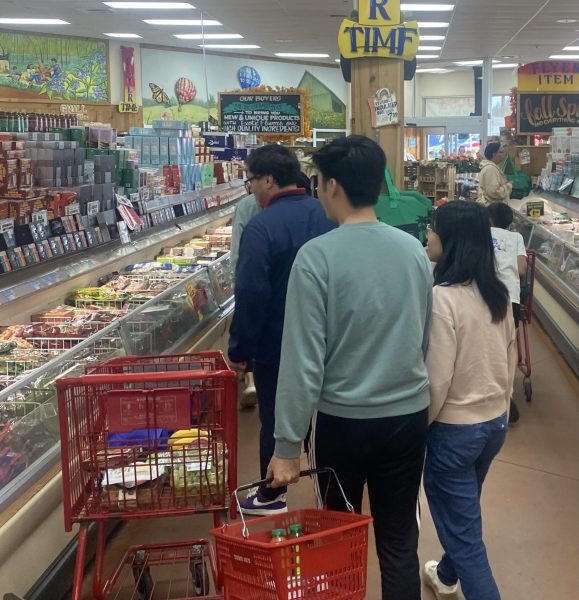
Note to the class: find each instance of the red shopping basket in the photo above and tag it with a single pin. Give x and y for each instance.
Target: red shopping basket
(329, 561)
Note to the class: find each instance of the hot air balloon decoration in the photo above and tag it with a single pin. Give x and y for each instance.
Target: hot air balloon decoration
(185, 91)
(248, 77)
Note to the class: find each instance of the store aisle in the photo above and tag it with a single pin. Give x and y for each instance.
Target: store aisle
(530, 501)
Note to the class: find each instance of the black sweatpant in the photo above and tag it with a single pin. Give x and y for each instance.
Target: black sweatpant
(388, 455)
(265, 378)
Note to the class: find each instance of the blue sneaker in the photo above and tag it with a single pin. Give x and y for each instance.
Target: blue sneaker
(256, 504)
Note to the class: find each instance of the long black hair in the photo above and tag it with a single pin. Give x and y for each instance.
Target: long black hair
(468, 253)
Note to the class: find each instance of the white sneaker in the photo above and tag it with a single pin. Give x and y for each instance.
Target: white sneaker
(441, 591)
(249, 395)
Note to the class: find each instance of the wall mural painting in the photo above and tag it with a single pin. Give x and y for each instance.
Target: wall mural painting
(174, 86)
(54, 68)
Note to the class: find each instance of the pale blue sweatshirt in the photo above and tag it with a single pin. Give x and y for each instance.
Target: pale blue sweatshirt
(356, 327)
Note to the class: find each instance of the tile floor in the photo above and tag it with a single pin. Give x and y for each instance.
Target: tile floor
(530, 503)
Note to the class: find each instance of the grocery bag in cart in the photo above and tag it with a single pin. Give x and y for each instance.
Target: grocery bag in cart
(329, 560)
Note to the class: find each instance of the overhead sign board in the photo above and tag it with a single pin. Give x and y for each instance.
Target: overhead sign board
(539, 113)
(378, 32)
(549, 76)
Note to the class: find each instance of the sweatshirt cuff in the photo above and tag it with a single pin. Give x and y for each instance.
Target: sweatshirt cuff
(287, 450)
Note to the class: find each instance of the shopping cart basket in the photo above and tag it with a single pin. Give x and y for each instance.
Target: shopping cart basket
(176, 571)
(523, 349)
(329, 561)
(146, 437)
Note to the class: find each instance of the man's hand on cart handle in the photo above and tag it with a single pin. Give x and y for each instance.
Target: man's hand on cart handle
(239, 368)
(283, 471)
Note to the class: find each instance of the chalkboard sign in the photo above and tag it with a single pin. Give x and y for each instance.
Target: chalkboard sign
(276, 113)
(539, 113)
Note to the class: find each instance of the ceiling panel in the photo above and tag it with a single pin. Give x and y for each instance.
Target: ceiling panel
(525, 29)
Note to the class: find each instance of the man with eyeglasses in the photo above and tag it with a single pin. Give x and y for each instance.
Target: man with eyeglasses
(269, 244)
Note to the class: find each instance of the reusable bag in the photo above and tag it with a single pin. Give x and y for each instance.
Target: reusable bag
(520, 180)
(408, 210)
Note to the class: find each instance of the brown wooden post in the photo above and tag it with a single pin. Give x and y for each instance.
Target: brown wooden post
(368, 76)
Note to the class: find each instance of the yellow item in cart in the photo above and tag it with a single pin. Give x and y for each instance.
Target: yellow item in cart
(186, 437)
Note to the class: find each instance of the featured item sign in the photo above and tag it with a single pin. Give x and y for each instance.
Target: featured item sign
(129, 103)
(539, 113)
(275, 113)
(549, 76)
(378, 32)
(384, 108)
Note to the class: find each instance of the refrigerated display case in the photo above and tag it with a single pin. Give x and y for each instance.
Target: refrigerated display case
(555, 238)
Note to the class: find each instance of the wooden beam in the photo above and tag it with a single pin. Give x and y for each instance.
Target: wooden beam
(368, 76)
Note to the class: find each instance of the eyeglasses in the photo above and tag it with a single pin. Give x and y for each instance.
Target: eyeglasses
(248, 182)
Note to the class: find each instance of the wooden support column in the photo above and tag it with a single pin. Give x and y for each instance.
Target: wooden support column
(368, 76)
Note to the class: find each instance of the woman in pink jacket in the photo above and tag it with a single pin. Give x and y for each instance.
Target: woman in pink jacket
(471, 366)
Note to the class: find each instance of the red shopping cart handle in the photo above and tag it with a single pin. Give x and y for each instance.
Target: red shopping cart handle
(152, 377)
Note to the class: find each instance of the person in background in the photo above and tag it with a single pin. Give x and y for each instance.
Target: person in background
(471, 363)
(493, 185)
(246, 209)
(55, 68)
(354, 341)
(511, 261)
(267, 250)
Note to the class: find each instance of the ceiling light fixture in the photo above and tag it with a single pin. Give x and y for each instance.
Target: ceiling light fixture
(472, 63)
(571, 49)
(230, 46)
(428, 56)
(183, 22)
(506, 66)
(301, 55)
(19, 21)
(426, 7)
(337, 60)
(566, 21)
(150, 5)
(431, 38)
(428, 48)
(564, 56)
(434, 70)
(123, 35)
(208, 36)
(432, 25)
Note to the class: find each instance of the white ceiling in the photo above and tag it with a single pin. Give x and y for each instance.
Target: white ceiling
(523, 29)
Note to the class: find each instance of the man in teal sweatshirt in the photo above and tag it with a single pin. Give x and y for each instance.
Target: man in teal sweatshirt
(355, 335)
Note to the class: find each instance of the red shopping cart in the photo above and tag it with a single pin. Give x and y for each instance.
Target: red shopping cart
(523, 349)
(329, 561)
(147, 437)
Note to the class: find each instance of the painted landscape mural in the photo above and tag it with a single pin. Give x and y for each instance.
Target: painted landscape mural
(57, 68)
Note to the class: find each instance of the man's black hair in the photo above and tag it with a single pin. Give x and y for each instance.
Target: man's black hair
(491, 150)
(501, 214)
(304, 182)
(277, 161)
(357, 164)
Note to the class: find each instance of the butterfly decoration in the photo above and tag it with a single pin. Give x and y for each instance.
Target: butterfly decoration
(159, 94)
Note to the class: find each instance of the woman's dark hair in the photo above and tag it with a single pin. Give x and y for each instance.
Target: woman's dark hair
(491, 150)
(277, 161)
(501, 214)
(468, 254)
(357, 163)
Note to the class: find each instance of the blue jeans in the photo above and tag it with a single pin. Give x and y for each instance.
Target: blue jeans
(458, 458)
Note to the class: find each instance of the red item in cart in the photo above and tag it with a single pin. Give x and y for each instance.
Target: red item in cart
(176, 177)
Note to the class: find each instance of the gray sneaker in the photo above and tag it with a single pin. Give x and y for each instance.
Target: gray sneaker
(441, 591)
